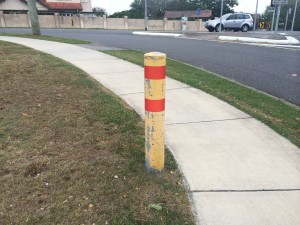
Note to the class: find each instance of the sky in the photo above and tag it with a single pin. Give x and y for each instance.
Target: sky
(113, 6)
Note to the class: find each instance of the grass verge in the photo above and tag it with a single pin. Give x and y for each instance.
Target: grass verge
(281, 117)
(72, 153)
(47, 38)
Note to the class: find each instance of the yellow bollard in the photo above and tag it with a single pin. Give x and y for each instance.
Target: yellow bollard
(155, 76)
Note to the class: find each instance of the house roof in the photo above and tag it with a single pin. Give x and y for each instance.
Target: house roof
(59, 5)
(188, 13)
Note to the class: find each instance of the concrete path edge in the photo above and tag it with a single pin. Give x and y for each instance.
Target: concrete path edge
(156, 34)
(289, 41)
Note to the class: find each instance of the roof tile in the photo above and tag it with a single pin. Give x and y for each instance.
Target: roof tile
(60, 5)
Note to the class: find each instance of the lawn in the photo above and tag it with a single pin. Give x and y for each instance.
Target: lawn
(71, 152)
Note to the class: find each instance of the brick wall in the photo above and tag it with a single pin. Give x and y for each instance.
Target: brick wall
(79, 21)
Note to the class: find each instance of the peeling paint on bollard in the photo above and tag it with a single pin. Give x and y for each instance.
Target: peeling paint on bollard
(155, 74)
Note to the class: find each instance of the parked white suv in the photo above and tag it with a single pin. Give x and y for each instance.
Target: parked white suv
(231, 21)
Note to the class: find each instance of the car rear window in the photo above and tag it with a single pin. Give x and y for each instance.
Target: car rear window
(246, 17)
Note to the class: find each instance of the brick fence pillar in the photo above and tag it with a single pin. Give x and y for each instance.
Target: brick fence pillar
(2, 20)
(104, 22)
(126, 22)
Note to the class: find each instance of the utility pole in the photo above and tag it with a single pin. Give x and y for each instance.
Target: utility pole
(146, 15)
(273, 18)
(286, 19)
(220, 27)
(277, 20)
(254, 25)
(292, 29)
(34, 17)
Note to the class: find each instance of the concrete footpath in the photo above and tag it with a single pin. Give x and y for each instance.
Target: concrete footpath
(238, 171)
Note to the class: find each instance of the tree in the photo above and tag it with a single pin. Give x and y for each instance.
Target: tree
(285, 9)
(267, 16)
(157, 8)
(215, 6)
(99, 11)
(130, 13)
(34, 19)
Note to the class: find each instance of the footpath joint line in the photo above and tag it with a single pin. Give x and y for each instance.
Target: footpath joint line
(209, 121)
(167, 89)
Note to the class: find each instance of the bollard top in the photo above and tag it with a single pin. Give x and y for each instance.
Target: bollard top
(155, 59)
(155, 54)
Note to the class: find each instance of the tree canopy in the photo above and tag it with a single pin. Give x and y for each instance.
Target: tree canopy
(267, 16)
(99, 11)
(157, 8)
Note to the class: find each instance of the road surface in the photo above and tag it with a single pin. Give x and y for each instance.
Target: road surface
(275, 71)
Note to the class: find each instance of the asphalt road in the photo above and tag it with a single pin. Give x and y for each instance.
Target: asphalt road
(275, 71)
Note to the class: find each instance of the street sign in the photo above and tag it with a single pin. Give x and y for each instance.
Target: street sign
(198, 11)
(272, 5)
(269, 26)
(280, 2)
(262, 25)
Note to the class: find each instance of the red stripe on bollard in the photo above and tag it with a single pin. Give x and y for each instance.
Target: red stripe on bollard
(155, 105)
(155, 72)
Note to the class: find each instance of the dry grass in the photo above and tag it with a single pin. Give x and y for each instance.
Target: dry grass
(63, 141)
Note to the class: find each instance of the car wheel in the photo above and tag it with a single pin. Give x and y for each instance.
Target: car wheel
(245, 28)
(218, 28)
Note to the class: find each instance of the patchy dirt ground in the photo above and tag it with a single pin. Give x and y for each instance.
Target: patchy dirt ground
(72, 153)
